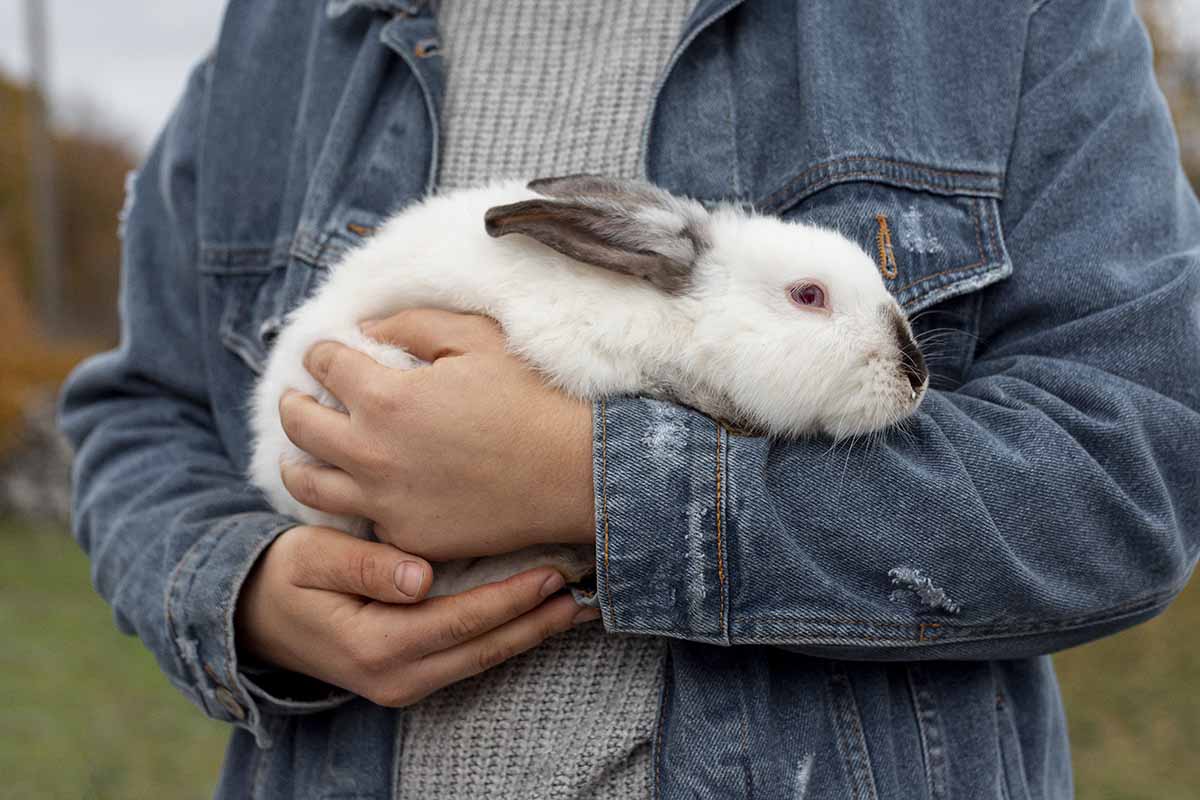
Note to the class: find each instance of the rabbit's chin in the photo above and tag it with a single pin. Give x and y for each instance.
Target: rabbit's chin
(871, 421)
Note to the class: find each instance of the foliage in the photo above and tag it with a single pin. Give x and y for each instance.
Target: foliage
(1176, 38)
(90, 185)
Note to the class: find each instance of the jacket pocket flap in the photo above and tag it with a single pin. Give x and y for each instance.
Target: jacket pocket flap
(928, 246)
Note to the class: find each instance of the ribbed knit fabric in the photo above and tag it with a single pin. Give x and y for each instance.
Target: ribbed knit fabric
(550, 87)
(574, 718)
(539, 88)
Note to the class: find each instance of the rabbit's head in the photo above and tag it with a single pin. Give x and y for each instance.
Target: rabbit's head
(794, 331)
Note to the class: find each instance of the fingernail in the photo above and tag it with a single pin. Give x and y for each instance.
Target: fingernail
(586, 615)
(553, 584)
(408, 578)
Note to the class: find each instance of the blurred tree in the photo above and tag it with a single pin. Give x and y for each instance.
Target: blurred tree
(90, 182)
(1176, 35)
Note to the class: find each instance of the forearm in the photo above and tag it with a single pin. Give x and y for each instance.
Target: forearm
(171, 530)
(171, 526)
(1053, 495)
(738, 540)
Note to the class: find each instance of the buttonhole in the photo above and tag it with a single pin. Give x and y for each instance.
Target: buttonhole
(887, 256)
(428, 47)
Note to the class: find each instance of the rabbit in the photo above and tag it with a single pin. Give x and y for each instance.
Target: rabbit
(610, 287)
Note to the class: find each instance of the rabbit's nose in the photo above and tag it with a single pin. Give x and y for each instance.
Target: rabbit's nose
(912, 362)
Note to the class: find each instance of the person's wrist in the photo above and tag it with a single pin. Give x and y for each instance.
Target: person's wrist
(247, 610)
(572, 478)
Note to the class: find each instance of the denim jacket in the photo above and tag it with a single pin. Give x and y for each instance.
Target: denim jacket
(860, 621)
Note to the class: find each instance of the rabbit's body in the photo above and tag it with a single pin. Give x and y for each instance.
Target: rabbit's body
(589, 331)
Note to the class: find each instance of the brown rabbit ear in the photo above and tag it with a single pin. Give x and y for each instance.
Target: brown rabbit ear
(631, 228)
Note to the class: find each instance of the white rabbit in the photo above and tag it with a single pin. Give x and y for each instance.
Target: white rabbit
(617, 287)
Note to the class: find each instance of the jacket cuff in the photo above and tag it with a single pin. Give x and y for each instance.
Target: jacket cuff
(658, 471)
(202, 594)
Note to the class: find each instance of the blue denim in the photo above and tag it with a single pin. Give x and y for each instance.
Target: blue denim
(862, 621)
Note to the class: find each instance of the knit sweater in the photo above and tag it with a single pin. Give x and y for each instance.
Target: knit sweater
(540, 88)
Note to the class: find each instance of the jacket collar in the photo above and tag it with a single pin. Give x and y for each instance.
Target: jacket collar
(406, 8)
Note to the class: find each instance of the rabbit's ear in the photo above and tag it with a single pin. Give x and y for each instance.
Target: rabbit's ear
(585, 185)
(624, 226)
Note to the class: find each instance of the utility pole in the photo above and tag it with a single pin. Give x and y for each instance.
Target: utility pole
(46, 222)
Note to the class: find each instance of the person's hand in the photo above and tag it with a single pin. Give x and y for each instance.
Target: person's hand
(473, 455)
(343, 610)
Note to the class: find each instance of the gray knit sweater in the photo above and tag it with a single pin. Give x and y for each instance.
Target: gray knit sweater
(539, 88)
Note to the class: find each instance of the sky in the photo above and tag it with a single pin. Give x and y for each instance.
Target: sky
(122, 63)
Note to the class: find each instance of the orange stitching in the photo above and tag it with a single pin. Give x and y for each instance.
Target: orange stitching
(830, 621)
(921, 637)
(863, 637)
(604, 505)
(1016, 623)
(720, 560)
(983, 256)
(992, 227)
(360, 230)
(931, 276)
(978, 235)
(734, 430)
(791, 184)
(849, 177)
(887, 256)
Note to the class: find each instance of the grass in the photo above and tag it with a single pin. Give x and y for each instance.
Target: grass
(85, 713)
(1133, 703)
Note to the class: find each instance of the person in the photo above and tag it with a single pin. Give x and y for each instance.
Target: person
(779, 618)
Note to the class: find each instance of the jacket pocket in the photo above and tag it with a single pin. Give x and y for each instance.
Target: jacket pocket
(935, 245)
(246, 296)
(254, 291)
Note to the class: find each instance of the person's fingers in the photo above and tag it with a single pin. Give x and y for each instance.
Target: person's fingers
(443, 622)
(430, 334)
(323, 558)
(323, 487)
(492, 648)
(351, 376)
(322, 432)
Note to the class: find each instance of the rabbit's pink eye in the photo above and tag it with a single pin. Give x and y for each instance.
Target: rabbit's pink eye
(808, 295)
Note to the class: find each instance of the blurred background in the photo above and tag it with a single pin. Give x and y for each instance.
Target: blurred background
(84, 712)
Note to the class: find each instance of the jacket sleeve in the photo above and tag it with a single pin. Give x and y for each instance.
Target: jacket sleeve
(1054, 497)
(171, 527)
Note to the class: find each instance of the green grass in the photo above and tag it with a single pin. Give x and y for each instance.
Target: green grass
(84, 711)
(1133, 703)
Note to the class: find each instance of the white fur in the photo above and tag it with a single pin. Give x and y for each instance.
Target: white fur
(732, 345)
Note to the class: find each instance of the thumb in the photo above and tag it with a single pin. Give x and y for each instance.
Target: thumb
(325, 558)
(431, 334)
